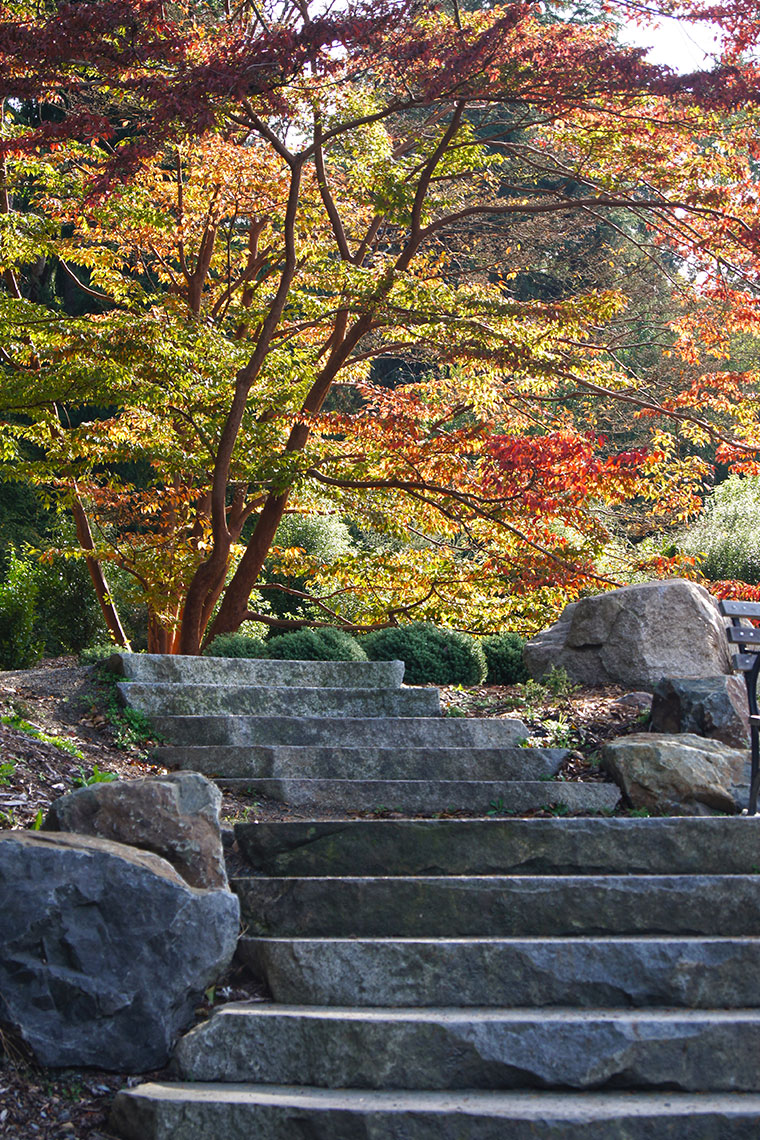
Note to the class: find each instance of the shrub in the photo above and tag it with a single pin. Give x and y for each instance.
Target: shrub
(504, 659)
(236, 645)
(64, 587)
(315, 645)
(727, 534)
(94, 654)
(430, 654)
(20, 643)
(558, 682)
(324, 539)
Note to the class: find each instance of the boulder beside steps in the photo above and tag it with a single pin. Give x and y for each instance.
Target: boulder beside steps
(566, 979)
(343, 736)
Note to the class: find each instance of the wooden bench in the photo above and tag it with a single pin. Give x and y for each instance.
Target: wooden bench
(747, 661)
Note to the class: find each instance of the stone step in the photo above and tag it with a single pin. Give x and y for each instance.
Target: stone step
(696, 973)
(343, 731)
(687, 1050)
(286, 700)
(683, 846)
(427, 796)
(464, 906)
(159, 1111)
(282, 762)
(173, 669)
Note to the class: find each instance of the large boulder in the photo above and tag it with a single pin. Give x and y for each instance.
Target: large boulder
(705, 706)
(634, 636)
(174, 816)
(104, 949)
(682, 775)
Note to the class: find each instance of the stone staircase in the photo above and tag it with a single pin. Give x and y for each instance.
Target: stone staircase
(572, 979)
(451, 979)
(344, 736)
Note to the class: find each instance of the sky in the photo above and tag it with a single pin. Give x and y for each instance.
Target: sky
(684, 47)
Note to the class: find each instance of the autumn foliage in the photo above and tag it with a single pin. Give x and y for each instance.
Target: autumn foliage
(257, 211)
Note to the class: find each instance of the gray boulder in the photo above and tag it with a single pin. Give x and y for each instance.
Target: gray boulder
(174, 816)
(711, 706)
(685, 775)
(104, 949)
(634, 636)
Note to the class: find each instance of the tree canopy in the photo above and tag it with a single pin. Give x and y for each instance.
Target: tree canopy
(214, 226)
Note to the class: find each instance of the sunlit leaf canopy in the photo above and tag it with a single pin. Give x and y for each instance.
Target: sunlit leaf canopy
(256, 210)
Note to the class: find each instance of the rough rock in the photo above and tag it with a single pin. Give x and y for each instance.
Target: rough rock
(687, 774)
(711, 706)
(104, 949)
(639, 700)
(174, 816)
(635, 636)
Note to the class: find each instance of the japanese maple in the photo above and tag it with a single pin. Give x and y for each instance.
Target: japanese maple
(257, 209)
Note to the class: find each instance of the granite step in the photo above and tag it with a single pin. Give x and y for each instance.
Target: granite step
(174, 669)
(682, 846)
(337, 1047)
(509, 906)
(196, 701)
(344, 731)
(608, 972)
(182, 1111)
(283, 762)
(479, 797)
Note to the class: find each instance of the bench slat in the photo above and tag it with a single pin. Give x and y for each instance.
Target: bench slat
(739, 609)
(743, 662)
(743, 634)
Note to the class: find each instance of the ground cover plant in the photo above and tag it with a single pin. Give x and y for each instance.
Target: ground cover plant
(228, 295)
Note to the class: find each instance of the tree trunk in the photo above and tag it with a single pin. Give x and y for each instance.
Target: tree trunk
(84, 535)
(234, 606)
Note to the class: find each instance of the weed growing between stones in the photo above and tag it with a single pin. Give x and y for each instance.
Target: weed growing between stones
(130, 727)
(497, 807)
(95, 777)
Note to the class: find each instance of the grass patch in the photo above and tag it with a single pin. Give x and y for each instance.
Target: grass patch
(21, 725)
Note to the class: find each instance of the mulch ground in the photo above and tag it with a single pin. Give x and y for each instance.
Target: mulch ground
(71, 704)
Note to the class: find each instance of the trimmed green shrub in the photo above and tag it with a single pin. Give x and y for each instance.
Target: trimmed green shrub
(315, 645)
(430, 655)
(504, 658)
(236, 645)
(20, 643)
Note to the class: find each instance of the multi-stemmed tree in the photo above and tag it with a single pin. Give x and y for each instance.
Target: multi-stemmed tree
(252, 208)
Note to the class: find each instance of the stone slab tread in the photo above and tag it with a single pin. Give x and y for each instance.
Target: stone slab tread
(434, 1048)
(686, 972)
(178, 669)
(159, 1111)
(283, 761)
(683, 846)
(481, 796)
(510, 906)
